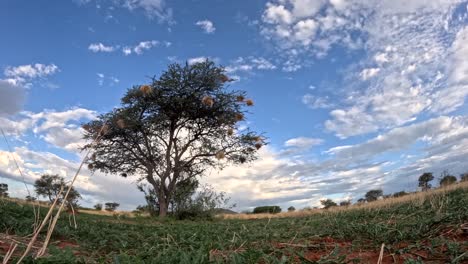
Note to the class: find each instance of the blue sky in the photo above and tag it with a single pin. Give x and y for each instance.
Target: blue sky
(352, 94)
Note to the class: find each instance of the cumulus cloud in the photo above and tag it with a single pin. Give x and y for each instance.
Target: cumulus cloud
(413, 63)
(206, 25)
(197, 60)
(23, 73)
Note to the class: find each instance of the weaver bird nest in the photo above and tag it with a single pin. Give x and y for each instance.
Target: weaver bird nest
(146, 89)
(208, 101)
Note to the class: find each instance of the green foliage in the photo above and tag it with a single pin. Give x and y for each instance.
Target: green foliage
(49, 186)
(98, 206)
(291, 209)
(103, 239)
(173, 129)
(3, 190)
(424, 181)
(327, 203)
(274, 209)
(111, 206)
(373, 195)
(203, 205)
(448, 180)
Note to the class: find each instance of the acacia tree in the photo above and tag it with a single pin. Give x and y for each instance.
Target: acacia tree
(447, 180)
(49, 186)
(327, 203)
(373, 195)
(424, 181)
(173, 129)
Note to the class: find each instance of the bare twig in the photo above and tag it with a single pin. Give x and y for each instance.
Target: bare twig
(379, 261)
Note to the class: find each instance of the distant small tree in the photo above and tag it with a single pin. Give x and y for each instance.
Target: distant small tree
(361, 200)
(448, 180)
(3, 190)
(327, 203)
(373, 195)
(291, 209)
(49, 186)
(111, 206)
(30, 198)
(400, 194)
(345, 203)
(464, 177)
(267, 209)
(98, 206)
(424, 181)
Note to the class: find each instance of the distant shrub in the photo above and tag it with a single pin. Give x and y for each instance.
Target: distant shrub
(328, 203)
(98, 206)
(400, 194)
(464, 177)
(111, 206)
(448, 180)
(267, 209)
(373, 195)
(291, 209)
(345, 203)
(30, 198)
(3, 190)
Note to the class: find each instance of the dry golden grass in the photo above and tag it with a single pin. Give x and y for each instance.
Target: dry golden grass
(416, 198)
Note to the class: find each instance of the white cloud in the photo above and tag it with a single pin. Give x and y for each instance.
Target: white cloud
(110, 80)
(248, 64)
(152, 8)
(30, 71)
(138, 49)
(197, 60)
(303, 142)
(144, 45)
(315, 102)
(99, 47)
(206, 25)
(277, 14)
(414, 61)
(306, 8)
(366, 74)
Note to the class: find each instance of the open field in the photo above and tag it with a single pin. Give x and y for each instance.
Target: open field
(424, 228)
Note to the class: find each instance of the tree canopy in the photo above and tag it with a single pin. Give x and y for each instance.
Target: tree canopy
(174, 129)
(448, 180)
(373, 195)
(327, 203)
(49, 186)
(424, 181)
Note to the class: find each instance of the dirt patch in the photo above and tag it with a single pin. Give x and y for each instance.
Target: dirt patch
(341, 251)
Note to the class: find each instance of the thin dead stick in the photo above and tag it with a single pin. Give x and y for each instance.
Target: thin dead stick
(57, 215)
(10, 252)
(379, 261)
(33, 239)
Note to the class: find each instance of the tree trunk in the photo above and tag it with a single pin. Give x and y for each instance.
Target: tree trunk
(163, 206)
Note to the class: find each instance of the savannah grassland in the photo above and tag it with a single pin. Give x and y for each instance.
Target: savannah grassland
(427, 227)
